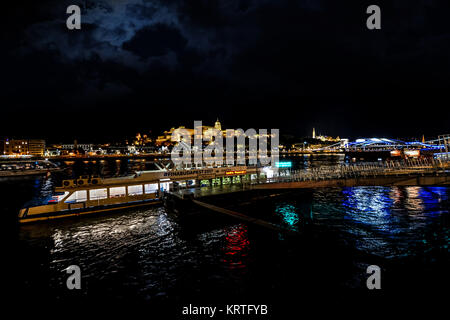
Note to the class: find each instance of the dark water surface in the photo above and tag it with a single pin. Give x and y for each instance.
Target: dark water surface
(153, 256)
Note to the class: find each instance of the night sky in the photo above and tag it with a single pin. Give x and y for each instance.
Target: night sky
(140, 65)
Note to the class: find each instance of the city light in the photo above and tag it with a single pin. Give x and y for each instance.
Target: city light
(229, 173)
(284, 164)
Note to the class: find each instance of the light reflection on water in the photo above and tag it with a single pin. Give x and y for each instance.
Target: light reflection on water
(387, 221)
(370, 206)
(145, 253)
(236, 246)
(288, 214)
(148, 254)
(142, 251)
(102, 247)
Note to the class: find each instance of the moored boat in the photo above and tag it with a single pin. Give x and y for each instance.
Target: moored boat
(95, 195)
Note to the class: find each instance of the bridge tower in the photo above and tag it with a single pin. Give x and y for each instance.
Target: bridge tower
(445, 144)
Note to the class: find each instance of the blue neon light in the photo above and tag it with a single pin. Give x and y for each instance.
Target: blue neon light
(284, 164)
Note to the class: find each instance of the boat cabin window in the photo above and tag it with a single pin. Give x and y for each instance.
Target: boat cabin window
(117, 192)
(77, 196)
(58, 197)
(165, 186)
(135, 190)
(151, 188)
(181, 184)
(97, 194)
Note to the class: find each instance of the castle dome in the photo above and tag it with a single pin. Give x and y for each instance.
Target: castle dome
(217, 125)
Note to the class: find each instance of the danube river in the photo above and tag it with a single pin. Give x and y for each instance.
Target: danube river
(152, 256)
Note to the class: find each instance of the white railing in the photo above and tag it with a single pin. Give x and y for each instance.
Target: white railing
(343, 171)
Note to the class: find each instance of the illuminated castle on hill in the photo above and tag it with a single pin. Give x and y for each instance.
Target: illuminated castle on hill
(324, 138)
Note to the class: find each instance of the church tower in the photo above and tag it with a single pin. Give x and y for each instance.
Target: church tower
(314, 133)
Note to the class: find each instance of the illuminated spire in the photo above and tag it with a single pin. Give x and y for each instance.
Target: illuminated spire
(423, 138)
(314, 133)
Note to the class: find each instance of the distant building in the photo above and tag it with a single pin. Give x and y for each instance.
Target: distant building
(168, 137)
(33, 147)
(36, 147)
(14, 147)
(142, 140)
(328, 139)
(324, 138)
(87, 147)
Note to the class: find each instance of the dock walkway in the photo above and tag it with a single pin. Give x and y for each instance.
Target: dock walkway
(243, 217)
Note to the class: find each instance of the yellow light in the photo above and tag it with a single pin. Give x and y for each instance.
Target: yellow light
(229, 173)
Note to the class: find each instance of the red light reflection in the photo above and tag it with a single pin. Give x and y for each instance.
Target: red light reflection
(236, 247)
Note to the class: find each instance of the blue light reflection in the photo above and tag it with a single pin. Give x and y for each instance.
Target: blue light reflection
(288, 213)
(393, 220)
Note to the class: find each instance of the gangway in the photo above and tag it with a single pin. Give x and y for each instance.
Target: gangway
(243, 217)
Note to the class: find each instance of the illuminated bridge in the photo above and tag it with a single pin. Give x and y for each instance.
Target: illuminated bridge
(386, 144)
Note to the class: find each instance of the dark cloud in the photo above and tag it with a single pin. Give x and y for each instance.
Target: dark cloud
(155, 40)
(313, 59)
(142, 11)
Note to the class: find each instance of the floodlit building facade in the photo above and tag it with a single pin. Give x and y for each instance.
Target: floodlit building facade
(33, 147)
